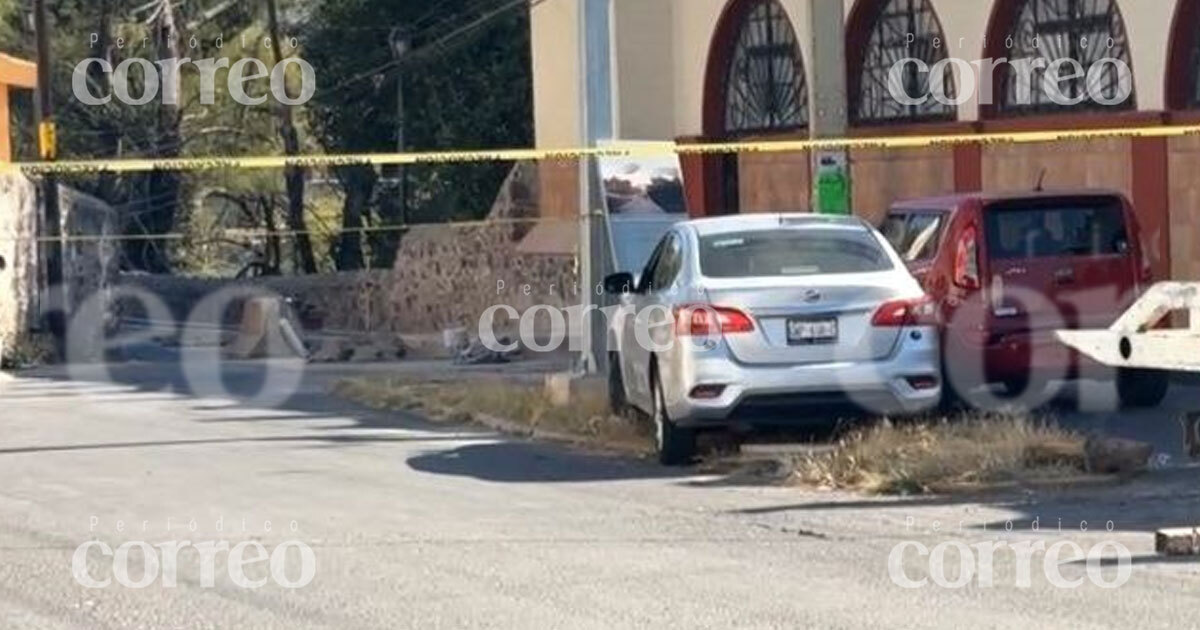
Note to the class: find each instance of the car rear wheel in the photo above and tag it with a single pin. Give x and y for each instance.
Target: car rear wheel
(676, 446)
(1142, 388)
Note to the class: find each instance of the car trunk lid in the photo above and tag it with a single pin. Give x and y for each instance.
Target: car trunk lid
(811, 306)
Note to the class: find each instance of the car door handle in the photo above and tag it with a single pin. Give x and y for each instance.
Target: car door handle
(1064, 276)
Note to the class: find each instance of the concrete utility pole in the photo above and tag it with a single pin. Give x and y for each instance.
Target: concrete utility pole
(56, 315)
(827, 109)
(596, 123)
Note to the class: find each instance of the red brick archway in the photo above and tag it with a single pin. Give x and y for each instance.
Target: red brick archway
(1185, 40)
(708, 177)
(717, 191)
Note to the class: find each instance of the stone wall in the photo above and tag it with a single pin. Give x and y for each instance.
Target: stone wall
(18, 257)
(89, 260)
(446, 276)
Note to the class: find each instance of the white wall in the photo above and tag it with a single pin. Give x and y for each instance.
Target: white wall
(1148, 23)
(644, 66)
(554, 36)
(695, 21)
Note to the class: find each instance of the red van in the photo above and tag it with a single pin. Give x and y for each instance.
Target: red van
(1007, 270)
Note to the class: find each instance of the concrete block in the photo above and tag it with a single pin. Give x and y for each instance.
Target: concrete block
(564, 388)
(1178, 541)
(558, 389)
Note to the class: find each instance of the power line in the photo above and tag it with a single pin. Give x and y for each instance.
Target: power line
(440, 43)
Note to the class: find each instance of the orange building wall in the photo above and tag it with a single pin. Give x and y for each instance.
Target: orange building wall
(880, 177)
(774, 182)
(558, 189)
(1184, 168)
(1084, 164)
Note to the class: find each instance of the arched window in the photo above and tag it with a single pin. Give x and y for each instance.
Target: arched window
(1036, 35)
(881, 35)
(765, 88)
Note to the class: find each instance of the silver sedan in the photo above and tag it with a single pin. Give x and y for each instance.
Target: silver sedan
(749, 320)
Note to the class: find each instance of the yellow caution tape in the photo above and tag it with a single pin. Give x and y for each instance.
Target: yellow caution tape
(615, 149)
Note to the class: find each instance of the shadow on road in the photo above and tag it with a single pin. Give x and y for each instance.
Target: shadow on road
(528, 462)
(324, 419)
(343, 439)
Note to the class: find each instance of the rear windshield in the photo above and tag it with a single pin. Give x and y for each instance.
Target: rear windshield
(915, 236)
(789, 252)
(1088, 228)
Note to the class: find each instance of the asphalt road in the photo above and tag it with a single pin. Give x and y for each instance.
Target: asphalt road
(416, 525)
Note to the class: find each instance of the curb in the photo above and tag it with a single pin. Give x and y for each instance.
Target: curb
(1074, 482)
(514, 429)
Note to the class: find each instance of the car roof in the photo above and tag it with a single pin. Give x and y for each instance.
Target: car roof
(755, 222)
(947, 202)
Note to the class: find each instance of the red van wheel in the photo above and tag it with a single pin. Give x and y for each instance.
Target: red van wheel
(1142, 389)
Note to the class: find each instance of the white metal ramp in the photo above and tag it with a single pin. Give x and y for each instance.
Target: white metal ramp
(1133, 342)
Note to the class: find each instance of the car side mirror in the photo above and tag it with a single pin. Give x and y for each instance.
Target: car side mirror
(620, 284)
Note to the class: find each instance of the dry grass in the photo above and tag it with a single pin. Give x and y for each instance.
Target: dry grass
(886, 457)
(587, 418)
(939, 455)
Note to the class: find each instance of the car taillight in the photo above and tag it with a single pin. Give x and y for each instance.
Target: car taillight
(702, 320)
(966, 260)
(920, 311)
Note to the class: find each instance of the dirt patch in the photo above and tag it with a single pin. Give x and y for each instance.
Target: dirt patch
(503, 405)
(943, 454)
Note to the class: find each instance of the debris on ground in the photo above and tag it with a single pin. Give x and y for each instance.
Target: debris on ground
(474, 352)
(1117, 456)
(359, 349)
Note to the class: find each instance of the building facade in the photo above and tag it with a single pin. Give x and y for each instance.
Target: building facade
(722, 70)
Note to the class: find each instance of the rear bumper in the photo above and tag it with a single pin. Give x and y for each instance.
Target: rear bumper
(791, 393)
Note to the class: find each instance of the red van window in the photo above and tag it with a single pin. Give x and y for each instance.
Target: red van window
(1057, 231)
(915, 236)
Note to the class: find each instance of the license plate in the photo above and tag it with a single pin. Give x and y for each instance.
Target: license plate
(807, 332)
